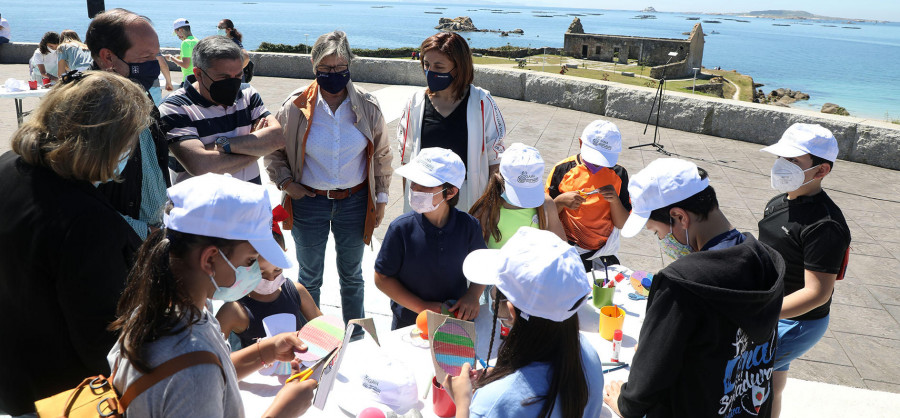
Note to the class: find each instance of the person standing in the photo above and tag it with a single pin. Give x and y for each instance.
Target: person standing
(182, 30)
(4, 30)
(335, 170)
(226, 28)
(218, 124)
(454, 114)
(126, 44)
(65, 251)
(808, 229)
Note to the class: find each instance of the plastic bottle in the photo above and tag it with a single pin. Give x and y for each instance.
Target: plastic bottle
(617, 344)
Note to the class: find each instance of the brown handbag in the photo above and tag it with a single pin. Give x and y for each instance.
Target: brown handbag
(288, 223)
(96, 396)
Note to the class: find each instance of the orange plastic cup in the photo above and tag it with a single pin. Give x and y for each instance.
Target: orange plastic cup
(611, 319)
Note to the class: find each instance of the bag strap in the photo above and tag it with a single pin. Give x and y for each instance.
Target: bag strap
(167, 369)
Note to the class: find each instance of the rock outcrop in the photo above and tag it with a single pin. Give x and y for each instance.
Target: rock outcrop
(834, 109)
(460, 24)
(575, 26)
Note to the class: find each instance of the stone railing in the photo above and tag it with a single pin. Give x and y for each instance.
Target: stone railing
(860, 140)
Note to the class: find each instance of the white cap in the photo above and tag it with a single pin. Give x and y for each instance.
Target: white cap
(805, 138)
(523, 168)
(433, 167)
(222, 206)
(661, 183)
(180, 23)
(539, 273)
(384, 382)
(601, 143)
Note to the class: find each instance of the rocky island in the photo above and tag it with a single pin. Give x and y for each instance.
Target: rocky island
(464, 24)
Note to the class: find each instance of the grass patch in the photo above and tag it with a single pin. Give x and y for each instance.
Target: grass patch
(616, 77)
(743, 81)
(493, 60)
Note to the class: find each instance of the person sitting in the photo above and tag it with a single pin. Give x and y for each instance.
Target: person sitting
(544, 368)
(44, 62)
(64, 250)
(72, 54)
(591, 194)
(419, 265)
(274, 295)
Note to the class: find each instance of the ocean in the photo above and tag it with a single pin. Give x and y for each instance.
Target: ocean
(855, 68)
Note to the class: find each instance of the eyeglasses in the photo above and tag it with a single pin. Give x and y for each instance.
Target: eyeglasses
(332, 68)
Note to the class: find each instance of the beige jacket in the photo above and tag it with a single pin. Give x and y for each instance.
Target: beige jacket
(294, 116)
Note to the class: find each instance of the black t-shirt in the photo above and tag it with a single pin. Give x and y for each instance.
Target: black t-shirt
(810, 233)
(451, 132)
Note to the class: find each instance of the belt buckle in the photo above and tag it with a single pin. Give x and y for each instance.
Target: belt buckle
(328, 195)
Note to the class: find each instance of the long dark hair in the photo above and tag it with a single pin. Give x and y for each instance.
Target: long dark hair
(48, 38)
(156, 301)
(234, 32)
(542, 340)
(487, 209)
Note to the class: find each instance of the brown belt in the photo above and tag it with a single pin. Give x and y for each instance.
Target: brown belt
(338, 194)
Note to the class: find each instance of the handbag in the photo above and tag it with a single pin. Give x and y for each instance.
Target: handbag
(95, 396)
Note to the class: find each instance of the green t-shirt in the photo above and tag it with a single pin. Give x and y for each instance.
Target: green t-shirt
(510, 221)
(187, 50)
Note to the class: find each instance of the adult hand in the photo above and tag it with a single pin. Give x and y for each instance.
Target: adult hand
(609, 193)
(297, 191)
(293, 399)
(466, 308)
(260, 124)
(379, 213)
(169, 87)
(169, 57)
(570, 200)
(286, 344)
(611, 395)
(460, 387)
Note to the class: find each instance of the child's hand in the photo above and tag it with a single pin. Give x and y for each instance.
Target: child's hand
(570, 200)
(460, 387)
(611, 395)
(286, 344)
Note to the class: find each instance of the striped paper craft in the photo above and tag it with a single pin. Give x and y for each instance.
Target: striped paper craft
(321, 335)
(452, 347)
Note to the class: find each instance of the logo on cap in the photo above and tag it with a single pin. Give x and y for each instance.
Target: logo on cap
(427, 164)
(602, 144)
(371, 384)
(527, 178)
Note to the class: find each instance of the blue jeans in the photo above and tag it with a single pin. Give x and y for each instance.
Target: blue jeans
(314, 217)
(795, 338)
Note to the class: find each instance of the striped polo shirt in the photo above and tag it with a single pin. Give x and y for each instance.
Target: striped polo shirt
(186, 114)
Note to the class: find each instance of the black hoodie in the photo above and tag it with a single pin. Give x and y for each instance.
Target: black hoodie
(707, 344)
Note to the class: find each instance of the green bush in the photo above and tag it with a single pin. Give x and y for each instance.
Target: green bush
(405, 52)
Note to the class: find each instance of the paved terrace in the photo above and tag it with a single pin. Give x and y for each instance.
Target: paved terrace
(862, 344)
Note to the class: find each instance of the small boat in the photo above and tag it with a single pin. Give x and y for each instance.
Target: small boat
(851, 27)
(779, 24)
(714, 32)
(693, 18)
(711, 21)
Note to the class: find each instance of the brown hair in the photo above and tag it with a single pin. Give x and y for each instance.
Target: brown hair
(487, 209)
(82, 128)
(108, 30)
(48, 38)
(454, 47)
(235, 34)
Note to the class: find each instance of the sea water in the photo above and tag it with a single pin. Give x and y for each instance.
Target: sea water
(855, 68)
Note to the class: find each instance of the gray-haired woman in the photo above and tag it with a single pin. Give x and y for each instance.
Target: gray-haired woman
(335, 170)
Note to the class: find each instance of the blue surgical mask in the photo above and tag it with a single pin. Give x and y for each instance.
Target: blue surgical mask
(120, 167)
(438, 81)
(221, 32)
(671, 247)
(245, 280)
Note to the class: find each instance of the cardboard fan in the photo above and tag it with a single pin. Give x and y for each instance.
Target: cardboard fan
(452, 344)
(321, 335)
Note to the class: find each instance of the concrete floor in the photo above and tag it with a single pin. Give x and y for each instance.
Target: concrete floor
(862, 345)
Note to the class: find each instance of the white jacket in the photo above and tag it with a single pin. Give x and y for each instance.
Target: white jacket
(485, 141)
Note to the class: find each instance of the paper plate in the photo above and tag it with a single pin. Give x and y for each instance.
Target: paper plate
(321, 335)
(452, 347)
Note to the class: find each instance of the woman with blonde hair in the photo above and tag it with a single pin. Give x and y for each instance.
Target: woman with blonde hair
(64, 250)
(72, 53)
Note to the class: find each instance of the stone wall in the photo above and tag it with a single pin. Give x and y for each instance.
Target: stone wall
(860, 140)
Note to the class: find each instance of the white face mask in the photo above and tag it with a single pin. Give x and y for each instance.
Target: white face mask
(787, 176)
(421, 202)
(267, 287)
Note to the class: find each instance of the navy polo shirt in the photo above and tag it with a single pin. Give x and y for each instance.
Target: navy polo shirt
(426, 259)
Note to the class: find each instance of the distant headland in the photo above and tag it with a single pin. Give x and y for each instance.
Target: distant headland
(794, 15)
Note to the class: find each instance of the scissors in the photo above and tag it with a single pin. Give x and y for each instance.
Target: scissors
(583, 193)
(302, 376)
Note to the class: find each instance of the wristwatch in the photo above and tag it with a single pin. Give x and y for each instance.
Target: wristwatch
(223, 142)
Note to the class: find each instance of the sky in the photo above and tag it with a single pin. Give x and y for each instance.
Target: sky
(858, 9)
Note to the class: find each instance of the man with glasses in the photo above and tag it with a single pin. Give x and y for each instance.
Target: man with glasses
(218, 124)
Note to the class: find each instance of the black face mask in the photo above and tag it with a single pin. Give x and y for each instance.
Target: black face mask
(144, 73)
(225, 91)
(333, 83)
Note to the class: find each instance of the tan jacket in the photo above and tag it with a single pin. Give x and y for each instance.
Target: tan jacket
(294, 116)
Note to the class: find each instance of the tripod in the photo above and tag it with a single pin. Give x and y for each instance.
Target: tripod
(657, 104)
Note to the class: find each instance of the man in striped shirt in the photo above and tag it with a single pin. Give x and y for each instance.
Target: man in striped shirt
(217, 124)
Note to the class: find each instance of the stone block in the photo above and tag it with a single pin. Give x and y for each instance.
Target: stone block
(678, 111)
(281, 65)
(877, 146)
(501, 83)
(386, 71)
(581, 95)
(17, 52)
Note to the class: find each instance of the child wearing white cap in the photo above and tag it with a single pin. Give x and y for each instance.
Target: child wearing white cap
(591, 194)
(419, 265)
(216, 228)
(544, 367)
(514, 198)
(707, 343)
(808, 229)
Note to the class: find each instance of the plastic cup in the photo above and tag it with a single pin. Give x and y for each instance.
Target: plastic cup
(442, 403)
(45, 80)
(611, 319)
(32, 84)
(602, 296)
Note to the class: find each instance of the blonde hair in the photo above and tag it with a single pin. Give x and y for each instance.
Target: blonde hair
(83, 127)
(69, 36)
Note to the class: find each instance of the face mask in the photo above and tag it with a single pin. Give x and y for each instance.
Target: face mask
(144, 73)
(267, 287)
(245, 280)
(593, 168)
(224, 92)
(333, 83)
(787, 176)
(421, 201)
(221, 32)
(438, 81)
(671, 247)
(120, 167)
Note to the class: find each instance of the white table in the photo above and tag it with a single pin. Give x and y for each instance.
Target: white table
(17, 96)
(258, 391)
